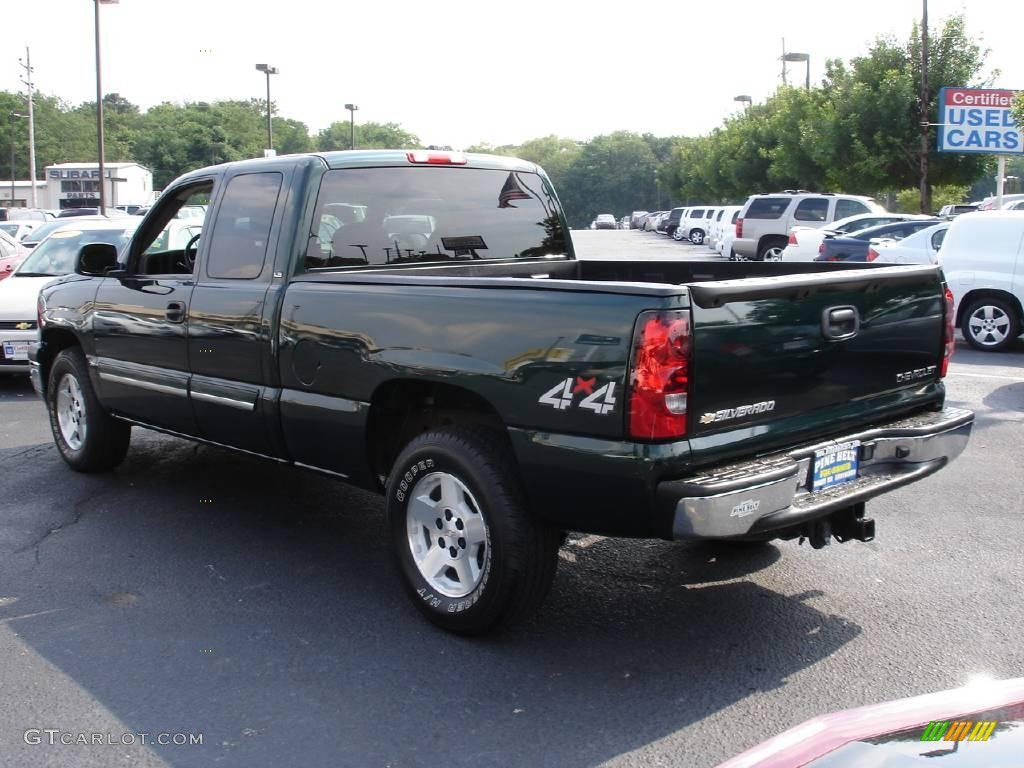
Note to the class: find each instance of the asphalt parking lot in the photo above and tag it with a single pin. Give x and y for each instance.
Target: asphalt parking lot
(197, 591)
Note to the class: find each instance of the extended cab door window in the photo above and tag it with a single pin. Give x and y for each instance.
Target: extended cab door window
(238, 245)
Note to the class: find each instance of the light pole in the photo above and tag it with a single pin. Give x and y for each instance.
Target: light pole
(926, 110)
(27, 66)
(804, 57)
(351, 125)
(13, 114)
(99, 104)
(268, 71)
(746, 100)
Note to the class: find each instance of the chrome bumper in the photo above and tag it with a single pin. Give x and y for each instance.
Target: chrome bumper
(773, 491)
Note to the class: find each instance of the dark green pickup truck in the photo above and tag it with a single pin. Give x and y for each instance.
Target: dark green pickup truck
(416, 323)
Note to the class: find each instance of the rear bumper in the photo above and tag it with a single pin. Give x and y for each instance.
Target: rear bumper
(773, 492)
(745, 246)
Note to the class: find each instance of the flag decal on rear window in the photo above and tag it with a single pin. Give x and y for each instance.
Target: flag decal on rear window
(510, 191)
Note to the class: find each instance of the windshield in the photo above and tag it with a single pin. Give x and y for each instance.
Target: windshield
(39, 234)
(389, 215)
(10, 229)
(57, 255)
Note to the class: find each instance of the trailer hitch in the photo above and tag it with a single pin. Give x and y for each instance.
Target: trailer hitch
(843, 526)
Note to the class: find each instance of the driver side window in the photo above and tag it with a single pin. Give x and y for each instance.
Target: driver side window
(170, 239)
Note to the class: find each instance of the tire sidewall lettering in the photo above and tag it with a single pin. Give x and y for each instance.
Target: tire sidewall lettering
(435, 600)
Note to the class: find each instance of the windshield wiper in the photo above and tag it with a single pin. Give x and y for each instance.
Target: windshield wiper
(37, 274)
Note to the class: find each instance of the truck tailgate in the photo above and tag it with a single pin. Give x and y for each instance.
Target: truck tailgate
(765, 349)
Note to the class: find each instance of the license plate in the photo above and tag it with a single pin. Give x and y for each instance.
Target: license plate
(16, 350)
(835, 465)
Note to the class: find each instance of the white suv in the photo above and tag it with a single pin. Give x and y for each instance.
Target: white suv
(694, 224)
(981, 258)
(762, 228)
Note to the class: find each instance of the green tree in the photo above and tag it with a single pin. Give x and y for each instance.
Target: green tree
(368, 135)
(613, 174)
(1018, 109)
(909, 200)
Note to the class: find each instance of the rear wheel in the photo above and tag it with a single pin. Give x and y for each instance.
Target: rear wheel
(696, 236)
(471, 556)
(88, 438)
(990, 324)
(771, 250)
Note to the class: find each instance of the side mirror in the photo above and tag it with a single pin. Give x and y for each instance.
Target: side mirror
(96, 259)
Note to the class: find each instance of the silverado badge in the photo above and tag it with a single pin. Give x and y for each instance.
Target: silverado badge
(738, 412)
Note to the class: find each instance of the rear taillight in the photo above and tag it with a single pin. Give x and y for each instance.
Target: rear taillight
(739, 228)
(821, 248)
(872, 254)
(436, 158)
(949, 341)
(792, 238)
(659, 376)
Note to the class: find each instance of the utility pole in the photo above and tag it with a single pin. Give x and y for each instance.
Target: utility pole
(27, 66)
(784, 61)
(926, 202)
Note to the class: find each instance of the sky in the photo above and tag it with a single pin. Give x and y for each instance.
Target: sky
(460, 73)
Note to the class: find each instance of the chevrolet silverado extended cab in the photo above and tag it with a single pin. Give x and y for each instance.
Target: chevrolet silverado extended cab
(416, 323)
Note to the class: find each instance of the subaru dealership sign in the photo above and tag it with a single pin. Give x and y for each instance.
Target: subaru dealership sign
(978, 120)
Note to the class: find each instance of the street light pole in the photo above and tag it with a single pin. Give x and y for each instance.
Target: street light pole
(804, 57)
(744, 99)
(27, 66)
(926, 202)
(13, 114)
(351, 125)
(268, 70)
(99, 106)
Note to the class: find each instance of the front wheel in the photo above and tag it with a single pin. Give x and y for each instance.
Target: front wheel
(88, 438)
(471, 556)
(990, 324)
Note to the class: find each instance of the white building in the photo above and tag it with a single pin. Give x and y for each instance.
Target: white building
(20, 192)
(77, 185)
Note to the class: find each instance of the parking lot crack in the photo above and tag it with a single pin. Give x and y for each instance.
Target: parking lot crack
(77, 513)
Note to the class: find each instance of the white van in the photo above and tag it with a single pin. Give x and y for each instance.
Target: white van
(983, 260)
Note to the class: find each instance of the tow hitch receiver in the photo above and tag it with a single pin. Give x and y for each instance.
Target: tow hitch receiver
(844, 525)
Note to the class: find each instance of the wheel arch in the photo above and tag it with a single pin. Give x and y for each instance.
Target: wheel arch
(54, 341)
(400, 409)
(989, 293)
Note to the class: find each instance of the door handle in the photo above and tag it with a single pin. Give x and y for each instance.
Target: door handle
(175, 312)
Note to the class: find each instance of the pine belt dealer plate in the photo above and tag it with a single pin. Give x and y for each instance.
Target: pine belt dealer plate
(835, 465)
(16, 350)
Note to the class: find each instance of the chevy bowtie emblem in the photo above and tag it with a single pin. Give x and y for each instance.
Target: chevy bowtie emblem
(23, 326)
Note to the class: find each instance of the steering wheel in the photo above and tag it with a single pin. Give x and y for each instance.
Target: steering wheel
(188, 254)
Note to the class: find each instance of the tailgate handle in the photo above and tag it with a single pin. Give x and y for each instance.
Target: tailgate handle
(838, 323)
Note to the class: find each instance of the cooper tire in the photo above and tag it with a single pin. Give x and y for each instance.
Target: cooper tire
(990, 324)
(471, 557)
(88, 438)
